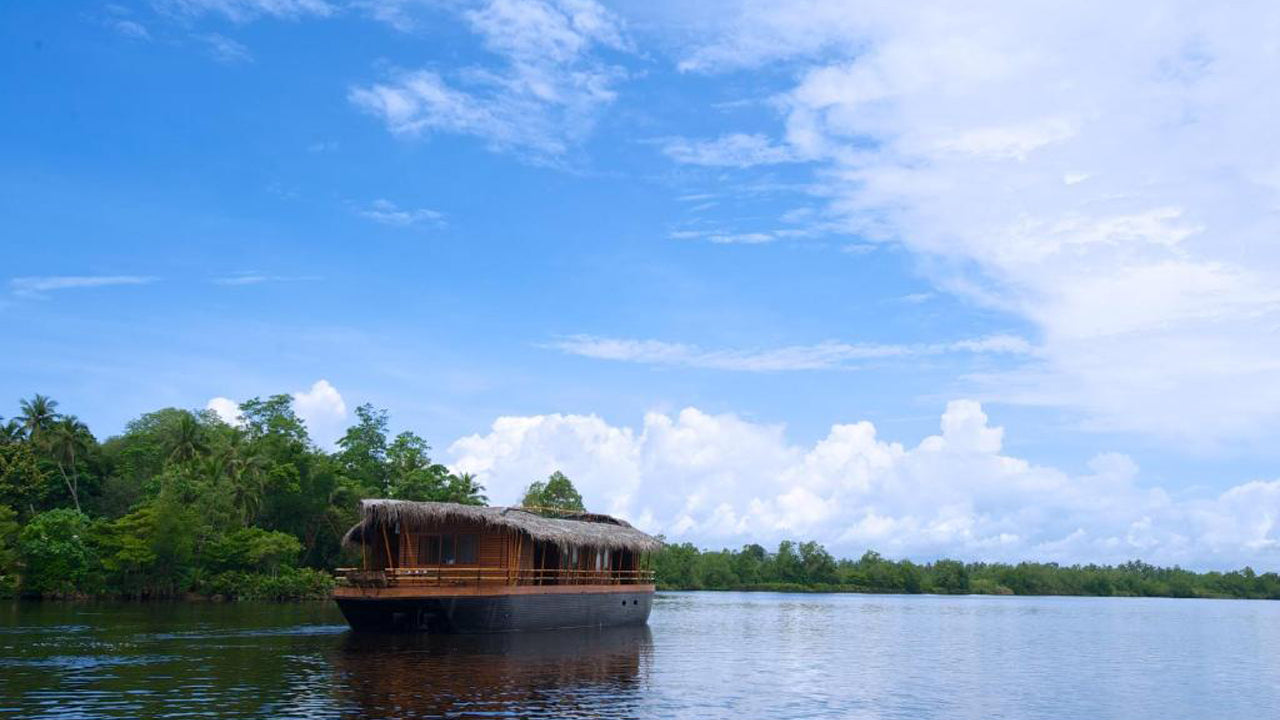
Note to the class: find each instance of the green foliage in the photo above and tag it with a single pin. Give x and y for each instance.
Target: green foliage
(150, 552)
(253, 549)
(363, 450)
(184, 438)
(184, 502)
(274, 418)
(67, 442)
(37, 415)
(950, 577)
(289, 584)
(55, 552)
(10, 560)
(807, 567)
(23, 484)
(557, 493)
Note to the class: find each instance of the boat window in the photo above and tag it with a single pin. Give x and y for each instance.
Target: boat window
(467, 549)
(429, 550)
(463, 549)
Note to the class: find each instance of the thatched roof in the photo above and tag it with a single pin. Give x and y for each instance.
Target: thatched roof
(574, 530)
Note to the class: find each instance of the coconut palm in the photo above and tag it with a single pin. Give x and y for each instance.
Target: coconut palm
(38, 414)
(466, 488)
(68, 438)
(185, 439)
(10, 432)
(248, 473)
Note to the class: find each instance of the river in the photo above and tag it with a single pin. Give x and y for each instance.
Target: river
(704, 655)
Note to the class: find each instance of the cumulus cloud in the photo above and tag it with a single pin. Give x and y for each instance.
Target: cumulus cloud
(720, 480)
(545, 95)
(324, 411)
(1107, 173)
(822, 356)
(321, 407)
(226, 408)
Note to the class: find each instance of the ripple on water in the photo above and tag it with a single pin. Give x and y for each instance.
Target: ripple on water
(706, 655)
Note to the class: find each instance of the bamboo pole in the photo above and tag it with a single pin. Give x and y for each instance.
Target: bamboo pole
(519, 554)
(386, 540)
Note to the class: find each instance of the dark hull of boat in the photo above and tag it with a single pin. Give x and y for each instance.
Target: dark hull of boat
(497, 613)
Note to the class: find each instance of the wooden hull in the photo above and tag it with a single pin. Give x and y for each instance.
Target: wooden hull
(503, 609)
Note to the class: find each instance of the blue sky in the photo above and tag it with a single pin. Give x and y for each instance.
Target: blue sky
(681, 253)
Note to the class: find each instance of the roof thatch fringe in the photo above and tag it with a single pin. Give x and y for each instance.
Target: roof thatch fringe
(573, 530)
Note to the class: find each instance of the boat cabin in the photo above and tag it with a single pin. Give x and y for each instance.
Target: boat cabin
(435, 543)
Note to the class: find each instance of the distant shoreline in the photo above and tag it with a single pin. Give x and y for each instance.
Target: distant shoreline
(807, 567)
(863, 591)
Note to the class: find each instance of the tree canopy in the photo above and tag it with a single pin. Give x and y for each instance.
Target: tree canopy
(808, 567)
(555, 493)
(182, 501)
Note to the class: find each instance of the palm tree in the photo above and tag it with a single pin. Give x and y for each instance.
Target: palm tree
(465, 488)
(38, 414)
(67, 438)
(10, 432)
(185, 439)
(247, 471)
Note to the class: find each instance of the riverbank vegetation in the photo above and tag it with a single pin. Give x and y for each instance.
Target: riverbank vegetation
(808, 567)
(182, 503)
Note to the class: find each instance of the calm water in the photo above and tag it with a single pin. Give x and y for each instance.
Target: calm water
(704, 655)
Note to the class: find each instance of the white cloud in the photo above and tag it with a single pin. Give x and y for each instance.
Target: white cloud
(720, 480)
(225, 50)
(255, 278)
(388, 213)
(324, 411)
(1106, 172)
(822, 356)
(246, 10)
(37, 286)
(733, 150)
(546, 95)
(226, 408)
(395, 13)
(321, 407)
(721, 236)
(131, 29)
(725, 237)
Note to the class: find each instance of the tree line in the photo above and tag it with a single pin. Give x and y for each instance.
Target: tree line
(808, 567)
(183, 502)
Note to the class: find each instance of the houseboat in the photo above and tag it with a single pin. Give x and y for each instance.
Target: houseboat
(445, 567)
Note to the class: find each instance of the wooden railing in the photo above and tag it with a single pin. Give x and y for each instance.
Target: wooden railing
(446, 575)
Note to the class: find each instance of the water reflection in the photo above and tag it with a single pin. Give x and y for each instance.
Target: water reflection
(712, 656)
(557, 674)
